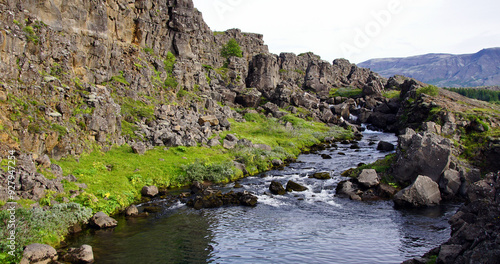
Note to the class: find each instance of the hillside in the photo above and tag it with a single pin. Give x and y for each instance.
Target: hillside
(444, 70)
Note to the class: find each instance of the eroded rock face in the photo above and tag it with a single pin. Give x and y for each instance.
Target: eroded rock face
(423, 192)
(422, 154)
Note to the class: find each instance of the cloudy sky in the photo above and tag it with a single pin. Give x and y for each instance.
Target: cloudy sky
(361, 29)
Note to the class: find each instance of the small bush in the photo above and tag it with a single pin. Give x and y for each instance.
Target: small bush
(232, 48)
(200, 171)
(39, 226)
(429, 90)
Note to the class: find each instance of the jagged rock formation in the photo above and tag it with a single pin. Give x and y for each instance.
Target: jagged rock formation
(445, 70)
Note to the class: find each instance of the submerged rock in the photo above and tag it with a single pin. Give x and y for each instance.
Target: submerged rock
(131, 211)
(423, 192)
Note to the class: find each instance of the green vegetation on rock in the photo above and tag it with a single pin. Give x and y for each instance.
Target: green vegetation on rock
(232, 48)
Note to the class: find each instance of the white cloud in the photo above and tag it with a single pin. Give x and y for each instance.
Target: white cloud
(328, 27)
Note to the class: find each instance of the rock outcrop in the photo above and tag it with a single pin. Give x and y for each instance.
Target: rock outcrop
(475, 228)
(208, 197)
(422, 154)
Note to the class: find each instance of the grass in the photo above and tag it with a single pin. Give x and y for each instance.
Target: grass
(345, 92)
(114, 179)
(120, 79)
(391, 94)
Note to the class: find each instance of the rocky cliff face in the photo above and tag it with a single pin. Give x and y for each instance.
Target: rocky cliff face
(84, 73)
(445, 70)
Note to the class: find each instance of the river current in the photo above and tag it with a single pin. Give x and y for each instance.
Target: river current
(307, 227)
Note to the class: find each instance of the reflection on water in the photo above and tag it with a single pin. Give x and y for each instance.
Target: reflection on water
(181, 236)
(308, 227)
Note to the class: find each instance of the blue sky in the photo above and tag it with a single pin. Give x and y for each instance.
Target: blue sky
(359, 30)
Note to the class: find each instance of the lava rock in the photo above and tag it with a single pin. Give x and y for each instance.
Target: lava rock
(101, 220)
(293, 186)
(149, 191)
(385, 146)
(276, 188)
(39, 253)
(131, 211)
(321, 175)
(139, 148)
(82, 255)
(326, 156)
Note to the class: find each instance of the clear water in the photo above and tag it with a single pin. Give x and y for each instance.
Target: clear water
(308, 227)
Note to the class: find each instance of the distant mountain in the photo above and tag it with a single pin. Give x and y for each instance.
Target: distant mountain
(445, 70)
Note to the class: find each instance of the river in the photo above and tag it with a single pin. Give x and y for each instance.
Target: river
(308, 227)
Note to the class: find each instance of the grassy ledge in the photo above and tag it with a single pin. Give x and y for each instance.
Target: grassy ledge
(114, 178)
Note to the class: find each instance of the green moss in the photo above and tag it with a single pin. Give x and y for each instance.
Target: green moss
(31, 35)
(120, 79)
(149, 50)
(345, 92)
(137, 109)
(391, 94)
(60, 129)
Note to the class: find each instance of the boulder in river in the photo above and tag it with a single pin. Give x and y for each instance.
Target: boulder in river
(131, 211)
(369, 178)
(101, 220)
(293, 186)
(276, 188)
(423, 192)
(385, 146)
(321, 175)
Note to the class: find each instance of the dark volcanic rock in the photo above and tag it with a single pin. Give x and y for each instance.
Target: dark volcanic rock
(207, 197)
(277, 188)
(385, 146)
(321, 175)
(293, 186)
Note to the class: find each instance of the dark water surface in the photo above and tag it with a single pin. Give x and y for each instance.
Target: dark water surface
(308, 227)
